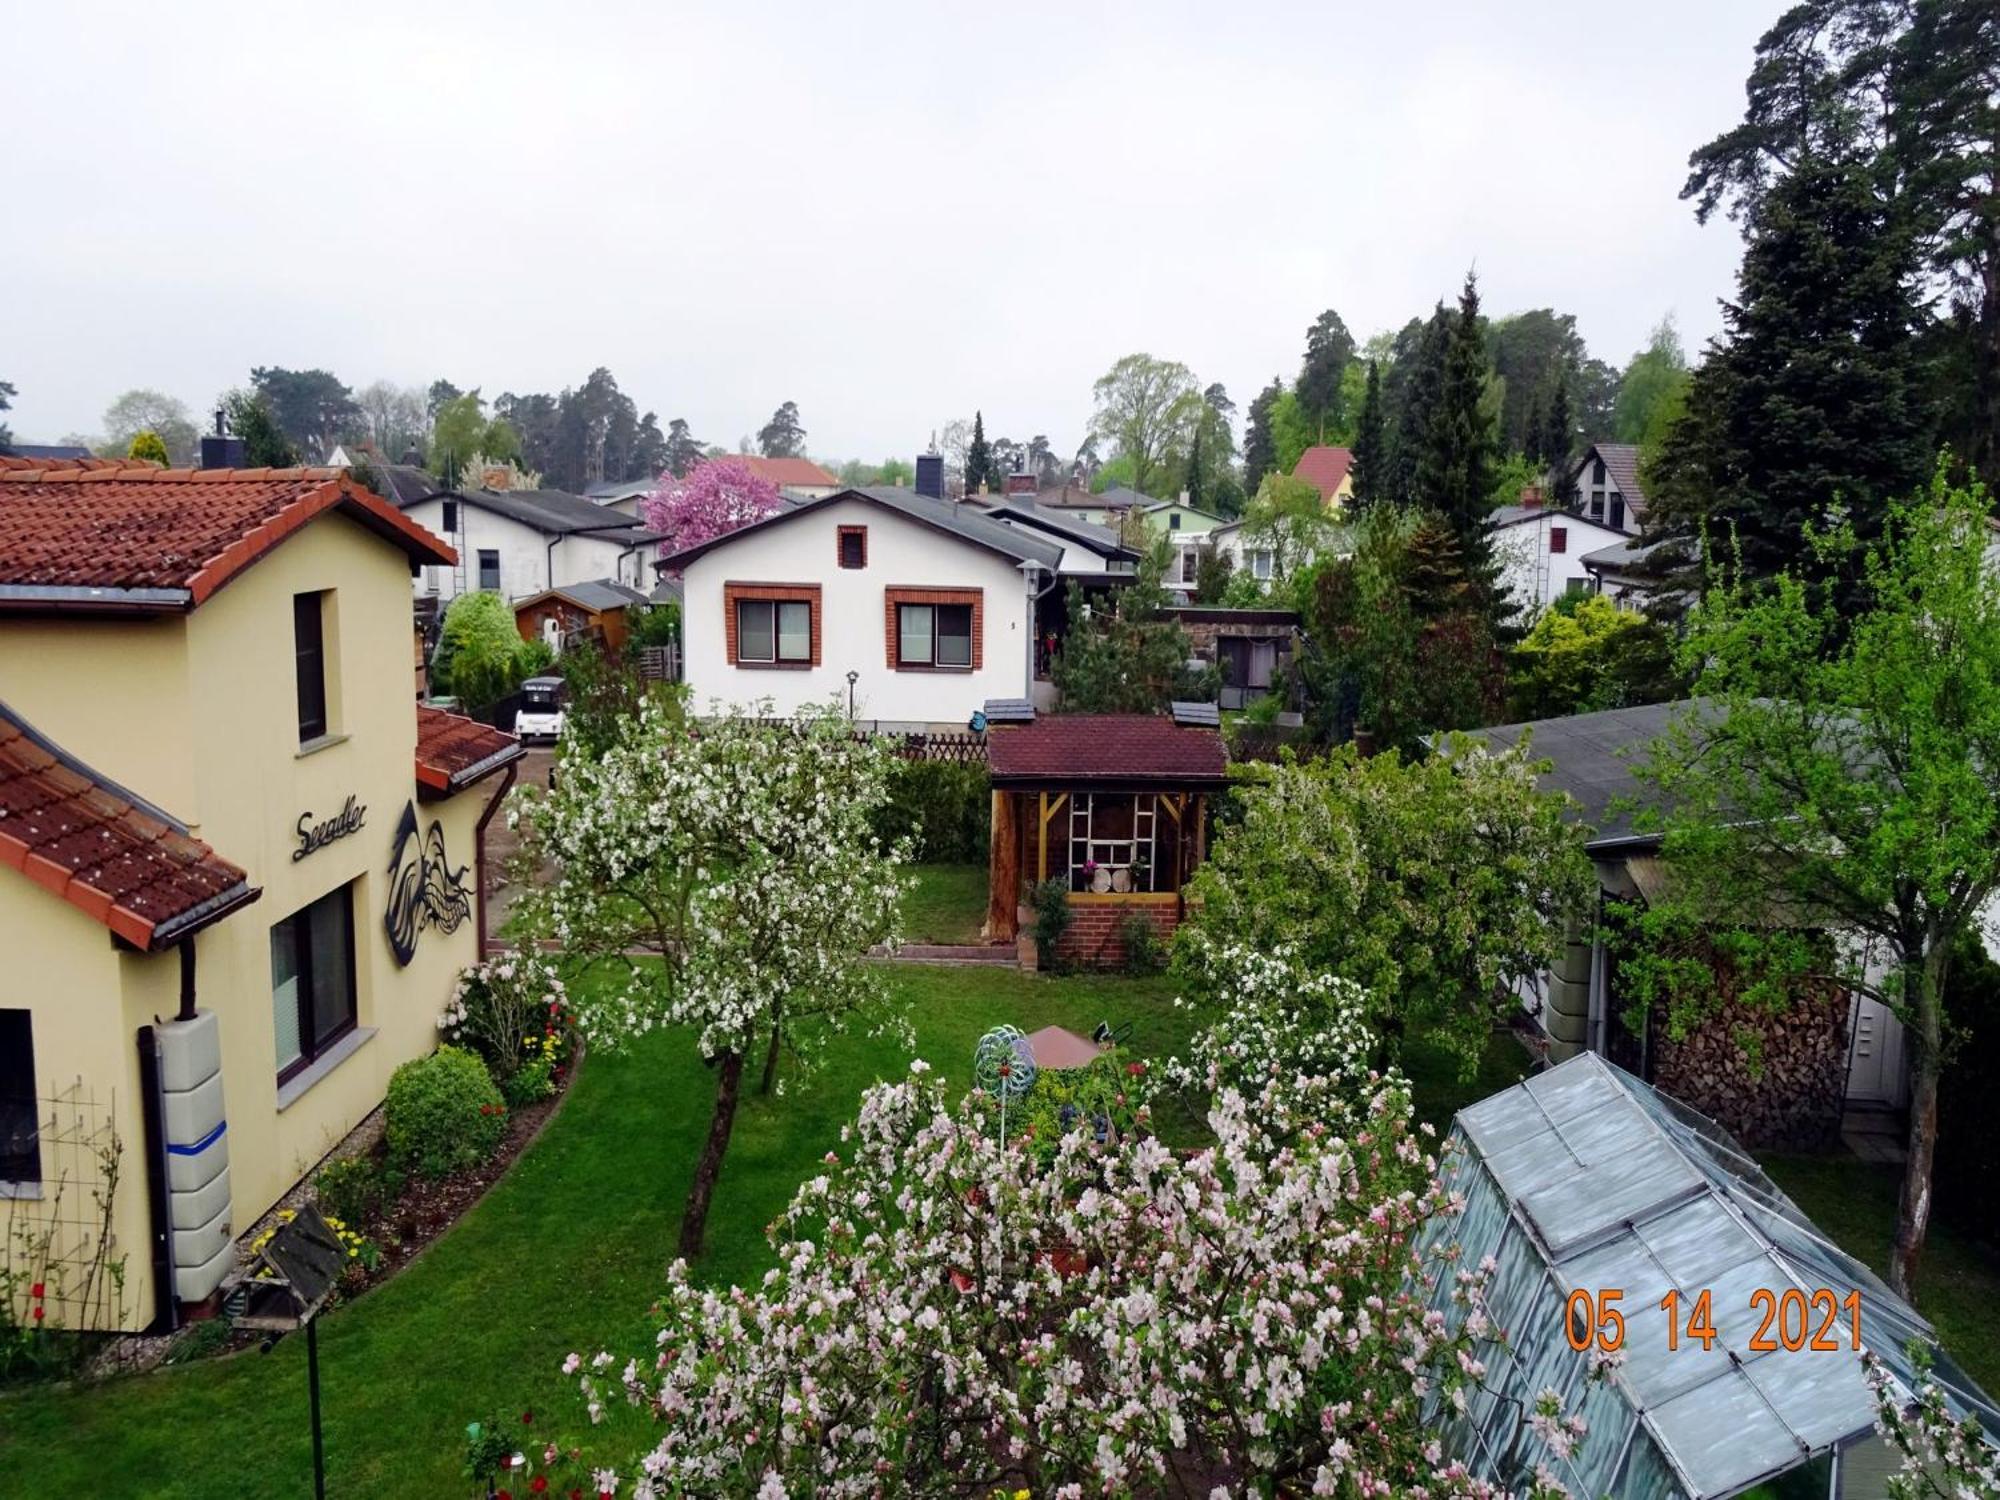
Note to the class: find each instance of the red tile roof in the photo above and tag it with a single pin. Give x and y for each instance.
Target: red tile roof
(798, 472)
(454, 751)
(108, 853)
(105, 534)
(1325, 469)
(1124, 748)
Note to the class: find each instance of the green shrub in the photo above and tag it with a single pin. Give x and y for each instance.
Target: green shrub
(1052, 918)
(1144, 952)
(943, 807)
(147, 444)
(444, 1114)
(481, 657)
(356, 1189)
(658, 626)
(530, 1083)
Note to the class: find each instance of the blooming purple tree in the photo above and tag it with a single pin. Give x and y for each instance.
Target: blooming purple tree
(712, 499)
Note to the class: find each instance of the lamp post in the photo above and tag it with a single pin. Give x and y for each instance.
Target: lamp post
(852, 678)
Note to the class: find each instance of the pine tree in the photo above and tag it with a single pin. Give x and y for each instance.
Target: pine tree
(1421, 391)
(1454, 474)
(1191, 485)
(1558, 440)
(1260, 447)
(1370, 439)
(978, 457)
(1814, 400)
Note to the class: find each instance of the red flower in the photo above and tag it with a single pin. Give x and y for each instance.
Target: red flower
(1135, 1068)
(38, 1315)
(527, 1418)
(35, 1290)
(540, 1484)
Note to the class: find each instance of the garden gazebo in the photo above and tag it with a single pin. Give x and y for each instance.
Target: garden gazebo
(1113, 805)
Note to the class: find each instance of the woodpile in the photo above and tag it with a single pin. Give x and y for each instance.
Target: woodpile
(1773, 1080)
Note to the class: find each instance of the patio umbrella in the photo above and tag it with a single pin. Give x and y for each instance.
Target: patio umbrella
(1059, 1048)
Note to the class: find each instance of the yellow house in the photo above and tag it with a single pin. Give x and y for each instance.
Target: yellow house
(240, 878)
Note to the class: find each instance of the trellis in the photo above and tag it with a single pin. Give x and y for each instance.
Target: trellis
(62, 1237)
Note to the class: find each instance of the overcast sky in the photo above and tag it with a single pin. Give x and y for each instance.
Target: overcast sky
(890, 214)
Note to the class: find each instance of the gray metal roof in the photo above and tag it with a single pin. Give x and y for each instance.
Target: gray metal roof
(1196, 715)
(1584, 1177)
(1103, 540)
(595, 594)
(1009, 711)
(554, 512)
(404, 485)
(1620, 557)
(949, 516)
(1591, 758)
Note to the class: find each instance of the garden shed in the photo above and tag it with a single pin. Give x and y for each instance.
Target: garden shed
(1585, 1180)
(596, 610)
(1113, 805)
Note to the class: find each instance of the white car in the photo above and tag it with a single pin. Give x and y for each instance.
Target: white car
(540, 716)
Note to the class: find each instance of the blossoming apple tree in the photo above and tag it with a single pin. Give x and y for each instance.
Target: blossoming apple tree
(727, 870)
(951, 1314)
(712, 499)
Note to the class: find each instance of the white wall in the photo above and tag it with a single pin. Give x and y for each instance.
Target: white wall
(524, 554)
(901, 554)
(1537, 577)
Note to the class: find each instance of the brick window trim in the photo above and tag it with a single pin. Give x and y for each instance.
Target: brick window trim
(840, 536)
(891, 597)
(782, 593)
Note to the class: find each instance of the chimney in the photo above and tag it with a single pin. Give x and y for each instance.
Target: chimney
(222, 451)
(1531, 497)
(930, 475)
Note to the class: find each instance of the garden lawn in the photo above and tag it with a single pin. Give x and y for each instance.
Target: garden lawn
(946, 905)
(564, 1253)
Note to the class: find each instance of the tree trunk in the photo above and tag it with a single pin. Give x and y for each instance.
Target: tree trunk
(694, 1218)
(1923, 985)
(771, 1056)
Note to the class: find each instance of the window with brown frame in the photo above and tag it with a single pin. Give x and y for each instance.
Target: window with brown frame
(934, 635)
(775, 632)
(1558, 539)
(853, 546)
(312, 979)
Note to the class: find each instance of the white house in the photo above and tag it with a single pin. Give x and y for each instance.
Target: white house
(912, 609)
(521, 542)
(1541, 552)
(1604, 486)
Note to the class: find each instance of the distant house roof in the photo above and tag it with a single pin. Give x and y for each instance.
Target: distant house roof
(45, 451)
(1325, 469)
(1591, 758)
(596, 595)
(1193, 510)
(1135, 750)
(967, 523)
(109, 853)
(406, 484)
(453, 751)
(551, 512)
(1102, 540)
(119, 536)
(799, 473)
(604, 491)
(1513, 515)
(1633, 555)
(1621, 469)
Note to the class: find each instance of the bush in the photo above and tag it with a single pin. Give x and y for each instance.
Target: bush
(1144, 952)
(511, 1010)
(444, 1114)
(1093, 1098)
(147, 444)
(942, 806)
(1052, 918)
(658, 626)
(481, 657)
(529, 1084)
(356, 1189)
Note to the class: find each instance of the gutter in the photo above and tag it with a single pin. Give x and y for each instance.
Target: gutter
(70, 597)
(479, 847)
(178, 929)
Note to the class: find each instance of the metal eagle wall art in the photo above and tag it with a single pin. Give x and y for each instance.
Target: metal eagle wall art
(423, 888)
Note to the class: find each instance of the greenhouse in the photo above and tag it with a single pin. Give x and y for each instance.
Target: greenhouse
(1584, 1182)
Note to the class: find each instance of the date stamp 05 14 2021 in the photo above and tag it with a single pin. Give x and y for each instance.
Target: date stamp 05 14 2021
(1824, 1321)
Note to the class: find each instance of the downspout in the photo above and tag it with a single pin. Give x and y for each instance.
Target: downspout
(187, 1011)
(479, 848)
(166, 1306)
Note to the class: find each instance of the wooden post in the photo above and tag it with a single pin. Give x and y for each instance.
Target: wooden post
(1003, 877)
(1042, 840)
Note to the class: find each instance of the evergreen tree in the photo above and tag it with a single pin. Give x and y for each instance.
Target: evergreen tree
(1814, 399)
(1260, 448)
(1370, 442)
(683, 449)
(265, 445)
(1329, 348)
(1454, 474)
(1558, 441)
(979, 457)
(1421, 389)
(784, 436)
(1191, 482)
